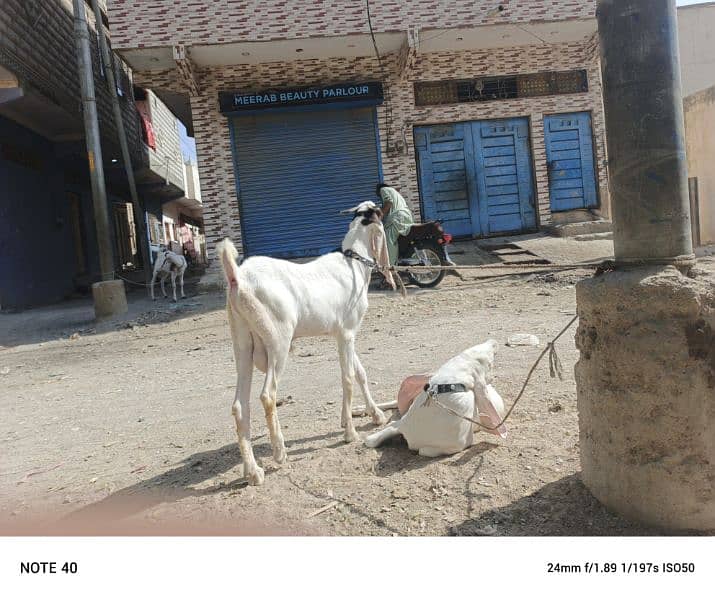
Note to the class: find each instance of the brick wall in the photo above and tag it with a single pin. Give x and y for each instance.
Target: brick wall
(214, 146)
(37, 44)
(150, 23)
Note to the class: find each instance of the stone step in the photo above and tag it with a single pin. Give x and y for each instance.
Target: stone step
(590, 237)
(581, 228)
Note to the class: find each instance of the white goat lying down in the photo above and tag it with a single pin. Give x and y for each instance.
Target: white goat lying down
(169, 263)
(462, 384)
(271, 302)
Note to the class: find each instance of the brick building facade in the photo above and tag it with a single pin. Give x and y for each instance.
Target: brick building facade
(45, 193)
(38, 37)
(200, 50)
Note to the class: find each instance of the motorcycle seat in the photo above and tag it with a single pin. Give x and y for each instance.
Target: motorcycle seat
(420, 231)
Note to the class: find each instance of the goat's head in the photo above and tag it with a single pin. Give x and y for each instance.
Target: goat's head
(366, 236)
(368, 211)
(489, 403)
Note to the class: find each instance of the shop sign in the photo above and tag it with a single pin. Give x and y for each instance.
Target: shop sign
(348, 92)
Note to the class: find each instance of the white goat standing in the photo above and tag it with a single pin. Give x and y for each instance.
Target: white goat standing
(271, 302)
(463, 384)
(169, 263)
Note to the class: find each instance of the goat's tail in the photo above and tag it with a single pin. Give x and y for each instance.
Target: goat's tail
(227, 253)
(241, 297)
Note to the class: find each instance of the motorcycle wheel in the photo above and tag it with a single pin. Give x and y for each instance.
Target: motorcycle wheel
(434, 256)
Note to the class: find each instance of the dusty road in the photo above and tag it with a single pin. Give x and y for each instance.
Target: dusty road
(126, 427)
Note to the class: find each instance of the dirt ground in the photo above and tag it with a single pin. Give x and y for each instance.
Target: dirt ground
(125, 426)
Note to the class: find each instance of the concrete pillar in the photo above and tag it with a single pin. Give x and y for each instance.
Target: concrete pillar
(93, 141)
(646, 394)
(109, 298)
(645, 130)
(646, 374)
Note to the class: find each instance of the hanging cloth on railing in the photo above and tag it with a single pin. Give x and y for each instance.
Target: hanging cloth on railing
(147, 128)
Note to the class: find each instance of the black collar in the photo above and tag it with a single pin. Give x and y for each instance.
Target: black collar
(446, 388)
(354, 255)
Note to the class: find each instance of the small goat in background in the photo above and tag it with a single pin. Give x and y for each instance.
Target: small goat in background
(271, 302)
(169, 263)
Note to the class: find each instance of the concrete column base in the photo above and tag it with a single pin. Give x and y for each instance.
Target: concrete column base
(109, 298)
(646, 395)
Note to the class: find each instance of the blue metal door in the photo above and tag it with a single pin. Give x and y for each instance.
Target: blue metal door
(569, 152)
(446, 170)
(295, 172)
(504, 176)
(477, 177)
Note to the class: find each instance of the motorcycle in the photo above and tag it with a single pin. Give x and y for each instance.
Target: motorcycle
(425, 245)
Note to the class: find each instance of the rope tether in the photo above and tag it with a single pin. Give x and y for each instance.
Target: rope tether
(522, 265)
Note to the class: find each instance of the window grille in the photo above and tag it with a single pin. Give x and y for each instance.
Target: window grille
(485, 89)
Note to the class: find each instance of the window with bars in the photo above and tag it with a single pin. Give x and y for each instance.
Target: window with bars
(486, 89)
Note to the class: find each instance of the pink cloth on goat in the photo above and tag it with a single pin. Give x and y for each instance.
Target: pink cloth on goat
(409, 390)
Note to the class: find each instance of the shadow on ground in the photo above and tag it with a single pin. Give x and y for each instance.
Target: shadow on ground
(171, 486)
(561, 508)
(186, 480)
(113, 514)
(62, 320)
(396, 457)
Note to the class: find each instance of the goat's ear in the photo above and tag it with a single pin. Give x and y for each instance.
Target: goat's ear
(378, 244)
(490, 407)
(349, 211)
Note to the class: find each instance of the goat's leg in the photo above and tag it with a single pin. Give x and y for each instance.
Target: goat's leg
(241, 408)
(181, 280)
(153, 280)
(173, 283)
(378, 417)
(430, 452)
(269, 395)
(375, 439)
(162, 279)
(346, 352)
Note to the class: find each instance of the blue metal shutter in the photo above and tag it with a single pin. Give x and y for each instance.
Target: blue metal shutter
(296, 171)
(569, 152)
(504, 176)
(445, 162)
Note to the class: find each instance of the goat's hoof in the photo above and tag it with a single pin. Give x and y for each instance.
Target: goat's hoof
(280, 456)
(378, 417)
(372, 441)
(257, 477)
(351, 436)
(183, 297)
